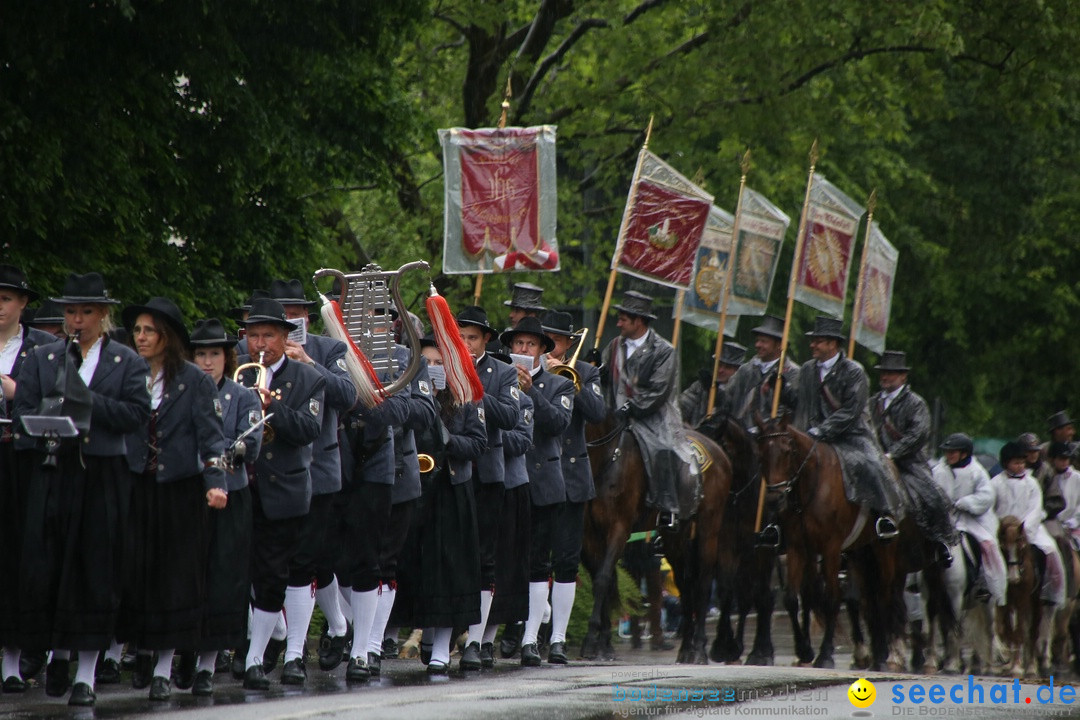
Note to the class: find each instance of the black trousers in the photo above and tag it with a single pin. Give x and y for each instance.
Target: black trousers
(401, 517)
(543, 525)
(274, 544)
(489, 506)
(566, 538)
(314, 558)
(367, 521)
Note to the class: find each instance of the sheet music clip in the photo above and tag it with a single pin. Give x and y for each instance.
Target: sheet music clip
(52, 428)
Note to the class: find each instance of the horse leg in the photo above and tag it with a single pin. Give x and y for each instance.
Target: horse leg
(792, 592)
(830, 571)
(764, 600)
(860, 654)
(602, 586)
(1044, 618)
(656, 603)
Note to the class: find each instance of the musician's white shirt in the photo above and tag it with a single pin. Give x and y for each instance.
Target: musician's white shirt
(273, 369)
(90, 362)
(10, 351)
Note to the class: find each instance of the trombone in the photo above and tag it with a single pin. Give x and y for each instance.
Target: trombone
(261, 383)
(566, 369)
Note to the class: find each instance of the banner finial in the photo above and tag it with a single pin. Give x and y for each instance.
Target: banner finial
(648, 133)
(505, 103)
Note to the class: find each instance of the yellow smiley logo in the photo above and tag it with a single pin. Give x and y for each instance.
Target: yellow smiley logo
(862, 693)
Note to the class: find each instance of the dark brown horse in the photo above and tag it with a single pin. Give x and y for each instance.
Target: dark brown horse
(745, 574)
(619, 508)
(805, 488)
(1020, 621)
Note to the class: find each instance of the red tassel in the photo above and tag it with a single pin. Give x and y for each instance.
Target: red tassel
(461, 377)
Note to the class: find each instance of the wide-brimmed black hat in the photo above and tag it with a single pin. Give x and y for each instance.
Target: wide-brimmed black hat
(163, 308)
(85, 289)
(429, 341)
(209, 332)
(557, 323)
(475, 315)
(1011, 450)
(827, 327)
(893, 361)
(238, 312)
(14, 278)
(267, 311)
(290, 292)
(635, 303)
(48, 314)
(1059, 419)
(1060, 449)
(526, 296)
(958, 441)
(733, 354)
(771, 326)
(527, 326)
(1029, 441)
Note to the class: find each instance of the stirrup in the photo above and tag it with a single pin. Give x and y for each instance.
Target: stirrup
(944, 556)
(885, 527)
(768, 537)
(667, 519)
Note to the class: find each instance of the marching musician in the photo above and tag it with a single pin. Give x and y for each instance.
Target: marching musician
(76, 523)
(314, 559)
(281, 482)
(228, 571)
(553, 407)
(569, 517)
(178, 469)
(17, 341)
(500, 406)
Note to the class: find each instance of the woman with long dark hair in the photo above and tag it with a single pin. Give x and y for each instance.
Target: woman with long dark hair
(78, 499)
(179, 472)
(228, 575)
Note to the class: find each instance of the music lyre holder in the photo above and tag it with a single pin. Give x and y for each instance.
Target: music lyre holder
(52, 428)
(366, 299)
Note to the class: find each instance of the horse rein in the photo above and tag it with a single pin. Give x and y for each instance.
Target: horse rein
(616, 433)
(788, 485)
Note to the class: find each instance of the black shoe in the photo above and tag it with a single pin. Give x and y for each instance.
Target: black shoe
(374, 664)
(255, 679)
(389, 648)
(236, 665)
(31, 662)
(529, 656)
(437, 667)
(294, 672)
(357, 671)
(886, 528)
(274, 648)
(425, 653)
(82, 696)
(184, 675)
(470, 657)
(768, 537)
(143, 673)
(58, 678)
(487, 655)
(944, 556)
(557, 654)
(14, 684)
(107, 672)
(204, 684)
(159, 689)
(127, 659)
(223, 664)
(332, 653)
(511, 639)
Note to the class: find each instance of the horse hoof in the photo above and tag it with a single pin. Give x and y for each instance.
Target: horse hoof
(824, 662)
(759, 659)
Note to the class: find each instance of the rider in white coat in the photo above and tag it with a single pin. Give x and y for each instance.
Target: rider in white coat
(968, 486)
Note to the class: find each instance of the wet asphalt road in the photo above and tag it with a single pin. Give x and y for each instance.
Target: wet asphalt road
(587, 690)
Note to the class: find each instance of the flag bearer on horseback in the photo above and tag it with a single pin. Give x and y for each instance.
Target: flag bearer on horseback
(901, 421)
(1018, 494)
(968, 487)
(832, 408)
(640, 385)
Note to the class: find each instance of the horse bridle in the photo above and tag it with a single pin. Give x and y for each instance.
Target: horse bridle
(616, 433)
(788, 485)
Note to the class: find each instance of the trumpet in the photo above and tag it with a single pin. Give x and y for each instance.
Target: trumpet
(261, 383)
(567, 370)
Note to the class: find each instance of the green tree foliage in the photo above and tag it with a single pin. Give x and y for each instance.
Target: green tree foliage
(265, 138)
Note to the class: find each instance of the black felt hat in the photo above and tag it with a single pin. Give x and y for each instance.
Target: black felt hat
(733, 354)
(557, 323)
(1059, 419)
(527, 326)
(635, 303)
(475, 315)
(48, 314)
(893, 361)
(160, 307)
(771, 326)
(85, 289)
(526, 296)
(267, 311)
(14, 278)
(1011, 450)
(209, 332)
(827, 327)
(290, 292)
(1060, 449)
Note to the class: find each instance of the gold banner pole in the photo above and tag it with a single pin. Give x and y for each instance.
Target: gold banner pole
(680, 298)
(718, 351)
(622, 229)
(871, 203)
(502, 124)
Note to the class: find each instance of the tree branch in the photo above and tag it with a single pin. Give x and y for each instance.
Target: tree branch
(640, 10)
(451, 22)
(551, 60)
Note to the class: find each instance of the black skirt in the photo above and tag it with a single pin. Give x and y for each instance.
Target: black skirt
(71, 573)
(15, 471)
(228, 574)
(510, 603)
(165, 589)
(448, 563)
